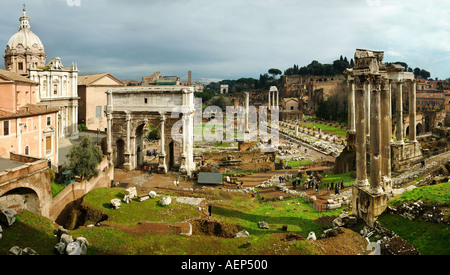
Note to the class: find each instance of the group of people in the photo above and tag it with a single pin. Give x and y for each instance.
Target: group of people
(314, 183)
(153, 152)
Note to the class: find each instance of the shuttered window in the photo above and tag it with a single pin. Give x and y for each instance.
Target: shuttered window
(48, 145)
(6, 128)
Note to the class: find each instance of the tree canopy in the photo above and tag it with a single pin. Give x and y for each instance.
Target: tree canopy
(84, 159)
(317, 68)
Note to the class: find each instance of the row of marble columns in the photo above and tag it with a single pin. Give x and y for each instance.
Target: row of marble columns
(370, 109)
(273, 93)
(398, 109)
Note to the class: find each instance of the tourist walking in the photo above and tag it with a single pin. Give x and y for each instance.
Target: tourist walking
(336, 190)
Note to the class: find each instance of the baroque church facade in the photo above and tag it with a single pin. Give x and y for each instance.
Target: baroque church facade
(25, 54)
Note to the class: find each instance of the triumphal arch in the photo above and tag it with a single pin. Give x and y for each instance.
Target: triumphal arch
(169, 109)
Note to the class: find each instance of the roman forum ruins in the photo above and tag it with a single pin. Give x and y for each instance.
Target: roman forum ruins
(166, 108)
(370, 129)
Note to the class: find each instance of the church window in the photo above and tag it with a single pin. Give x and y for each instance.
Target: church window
(55, 89)
(20, 66)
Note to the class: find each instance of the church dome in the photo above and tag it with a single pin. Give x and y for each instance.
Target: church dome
(25, 36)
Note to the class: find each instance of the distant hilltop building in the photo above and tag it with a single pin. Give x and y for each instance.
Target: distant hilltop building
(25, 55)
(158, 79)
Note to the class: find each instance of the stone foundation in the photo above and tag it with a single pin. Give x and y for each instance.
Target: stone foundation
(367, 206)
(405, 155)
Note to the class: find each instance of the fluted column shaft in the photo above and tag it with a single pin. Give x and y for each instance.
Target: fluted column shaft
(360, 123)
(412, 111)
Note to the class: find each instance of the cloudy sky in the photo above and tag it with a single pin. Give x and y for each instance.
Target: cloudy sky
(230, 39)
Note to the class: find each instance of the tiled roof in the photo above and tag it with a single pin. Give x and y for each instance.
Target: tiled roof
(28, 110)
(91, 78)
(12, 76)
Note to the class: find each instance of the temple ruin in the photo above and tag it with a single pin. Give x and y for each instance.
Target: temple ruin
(370, 130)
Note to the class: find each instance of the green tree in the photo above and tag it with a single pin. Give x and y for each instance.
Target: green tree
(274, 72)
(84, 159)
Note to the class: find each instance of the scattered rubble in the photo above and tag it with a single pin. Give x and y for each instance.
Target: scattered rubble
(418, 211)
(67, 246)
(8, 216)
(165, 201)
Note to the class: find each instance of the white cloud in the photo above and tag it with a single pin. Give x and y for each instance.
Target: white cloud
(228, 39)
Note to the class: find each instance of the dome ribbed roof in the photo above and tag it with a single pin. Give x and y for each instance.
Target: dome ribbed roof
(25, 36)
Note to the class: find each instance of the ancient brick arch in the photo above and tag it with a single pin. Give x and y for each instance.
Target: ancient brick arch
(130, 108)
(27, 187)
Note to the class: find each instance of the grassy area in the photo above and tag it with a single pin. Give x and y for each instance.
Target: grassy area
(331, 129)
(427, 238)
(439, 193)
(56, 188)
(330, 177)
(298, 163)
(238, 209)
(130, 214)
(37, 232)
(29, 230)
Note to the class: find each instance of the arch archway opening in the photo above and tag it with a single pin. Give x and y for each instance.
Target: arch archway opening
(20, 199)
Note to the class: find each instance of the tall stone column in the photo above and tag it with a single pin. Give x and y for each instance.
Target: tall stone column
(127, 164)
(399, 114)
(110, 150)
(277, 99)
(412, 111)
(269, 98)
(360, 119)
(273, 99)
(183, 166)
(367, 106)
(247, 131)
(375, 138)
(162, 166)
(386, 133)
(190, 164)
(351, 114)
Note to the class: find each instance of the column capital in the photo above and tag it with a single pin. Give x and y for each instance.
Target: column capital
(162, 116)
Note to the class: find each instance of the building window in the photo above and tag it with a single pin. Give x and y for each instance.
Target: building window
(6, 128)
(27, 150)
(145, 100)
(55, 89)
(98, 111)
(48, 145)
(49, 121)
(20, 66)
